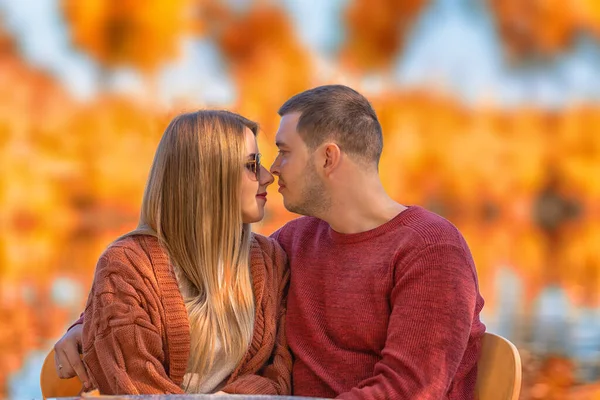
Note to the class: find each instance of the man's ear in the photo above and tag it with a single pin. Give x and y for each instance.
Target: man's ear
(332, 156)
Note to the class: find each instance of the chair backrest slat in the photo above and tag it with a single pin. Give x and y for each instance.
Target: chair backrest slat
(52, 385)
(498, 369)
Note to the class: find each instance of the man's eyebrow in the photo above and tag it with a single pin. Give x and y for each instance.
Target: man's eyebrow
(280, 144)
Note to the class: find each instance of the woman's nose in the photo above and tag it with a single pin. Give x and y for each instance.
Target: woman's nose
(266, 178)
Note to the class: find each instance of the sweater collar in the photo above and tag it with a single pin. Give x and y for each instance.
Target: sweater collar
(390, 225)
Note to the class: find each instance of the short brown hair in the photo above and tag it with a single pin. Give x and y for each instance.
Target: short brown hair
(338, 113)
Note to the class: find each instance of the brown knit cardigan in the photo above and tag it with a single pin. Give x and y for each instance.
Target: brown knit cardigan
(136, 336)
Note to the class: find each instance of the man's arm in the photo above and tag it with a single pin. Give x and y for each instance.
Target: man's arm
(433, 302)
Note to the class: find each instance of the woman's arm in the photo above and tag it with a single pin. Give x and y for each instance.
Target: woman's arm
(122, 345)
(67, 355)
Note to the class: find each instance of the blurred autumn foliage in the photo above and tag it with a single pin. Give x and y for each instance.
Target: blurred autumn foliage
(376, 31)
(136, 33)
(523, 184)
(544, 28)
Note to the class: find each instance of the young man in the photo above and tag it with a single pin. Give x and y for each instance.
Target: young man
(384, 300)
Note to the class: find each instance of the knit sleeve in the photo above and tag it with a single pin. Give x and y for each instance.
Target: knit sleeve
(78, 322)
(122, 347)
(432, 307)
(274, 377)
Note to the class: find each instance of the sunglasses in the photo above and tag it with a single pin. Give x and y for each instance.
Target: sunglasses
(254, 166)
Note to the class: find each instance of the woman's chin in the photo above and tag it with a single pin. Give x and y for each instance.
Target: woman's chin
(251, 218)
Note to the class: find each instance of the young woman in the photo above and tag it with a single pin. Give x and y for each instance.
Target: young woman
(191, 301)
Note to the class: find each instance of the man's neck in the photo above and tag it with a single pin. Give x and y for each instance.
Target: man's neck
(361, 207)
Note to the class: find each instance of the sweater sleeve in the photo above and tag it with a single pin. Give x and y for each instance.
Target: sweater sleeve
(432, 306)
(78, 322)
(275, 376)
(122, 347)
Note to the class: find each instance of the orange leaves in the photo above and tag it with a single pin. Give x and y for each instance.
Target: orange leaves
(588, 12)
(247, 40)
(75, 175)
(552, 381)
(266, 60)
(136, 33)
(376, 31)
(543, 27)
(7, 45)
(532, 26)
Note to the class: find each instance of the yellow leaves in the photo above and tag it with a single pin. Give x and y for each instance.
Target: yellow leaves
(136, 33)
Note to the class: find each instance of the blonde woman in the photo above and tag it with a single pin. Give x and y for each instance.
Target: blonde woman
(191, 301)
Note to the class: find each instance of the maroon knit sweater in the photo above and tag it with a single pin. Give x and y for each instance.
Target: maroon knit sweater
(391, 313)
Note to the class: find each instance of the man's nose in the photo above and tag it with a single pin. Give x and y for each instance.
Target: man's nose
(275, 168)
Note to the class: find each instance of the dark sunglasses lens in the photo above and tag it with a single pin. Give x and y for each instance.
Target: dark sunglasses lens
(257, 167)
(254, 166)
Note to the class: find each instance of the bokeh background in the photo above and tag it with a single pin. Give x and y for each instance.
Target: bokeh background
(491, 118)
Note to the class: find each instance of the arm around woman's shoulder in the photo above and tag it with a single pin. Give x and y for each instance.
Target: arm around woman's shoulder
(122, 341)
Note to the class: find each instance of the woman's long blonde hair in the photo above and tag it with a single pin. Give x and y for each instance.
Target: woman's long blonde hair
(192, 202)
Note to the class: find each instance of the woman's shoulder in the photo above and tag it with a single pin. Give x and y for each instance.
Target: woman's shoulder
(265, 243)
(134, 253)
(268, 248)
(134, 243)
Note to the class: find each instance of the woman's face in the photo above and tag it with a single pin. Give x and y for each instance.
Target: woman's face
(254, 192)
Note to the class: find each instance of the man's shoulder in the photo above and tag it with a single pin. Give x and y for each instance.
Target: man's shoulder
(297, 226)
(432, 228)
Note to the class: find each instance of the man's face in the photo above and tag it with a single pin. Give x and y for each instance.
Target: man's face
(301, 187)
